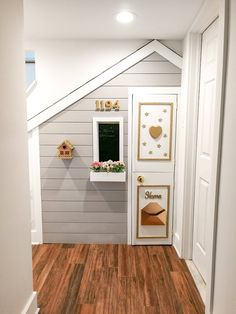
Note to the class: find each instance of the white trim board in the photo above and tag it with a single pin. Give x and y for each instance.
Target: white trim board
(35, 187)
(31, 305)
(104, 77)
(208, 13)
(199, 282)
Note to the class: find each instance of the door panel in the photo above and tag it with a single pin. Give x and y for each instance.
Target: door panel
(156, 190)
(153, 151)
(202, 214)
(145, 104)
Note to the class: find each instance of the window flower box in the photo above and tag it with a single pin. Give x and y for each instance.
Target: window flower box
(108, 171)
(107, 176)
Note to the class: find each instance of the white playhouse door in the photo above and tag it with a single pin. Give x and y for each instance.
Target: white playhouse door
(152, 167)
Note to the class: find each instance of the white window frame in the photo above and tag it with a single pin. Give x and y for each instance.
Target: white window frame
(111, 120)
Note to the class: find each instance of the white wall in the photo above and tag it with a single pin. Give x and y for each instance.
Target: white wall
(64, 65)
(15, 244)
(225, 268)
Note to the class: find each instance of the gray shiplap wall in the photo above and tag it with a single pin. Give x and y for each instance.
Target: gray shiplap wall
(75, 209)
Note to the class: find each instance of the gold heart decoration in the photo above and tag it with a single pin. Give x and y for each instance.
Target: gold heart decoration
(155, 131)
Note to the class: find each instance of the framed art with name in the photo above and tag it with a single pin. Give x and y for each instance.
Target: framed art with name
(152, 211)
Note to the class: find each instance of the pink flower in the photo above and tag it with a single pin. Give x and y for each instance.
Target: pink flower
(96, 164)
(108, 166)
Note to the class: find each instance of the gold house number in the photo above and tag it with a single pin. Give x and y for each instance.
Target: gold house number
(107, 105)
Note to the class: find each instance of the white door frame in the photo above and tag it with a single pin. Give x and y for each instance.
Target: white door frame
(142, 91)
(35, 187)
(186, 185)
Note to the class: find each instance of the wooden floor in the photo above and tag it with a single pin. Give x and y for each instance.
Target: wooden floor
(113, 279)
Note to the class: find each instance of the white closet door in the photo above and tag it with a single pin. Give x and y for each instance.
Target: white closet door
(202, 215)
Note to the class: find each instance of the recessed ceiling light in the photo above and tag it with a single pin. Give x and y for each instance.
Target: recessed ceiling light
(125, 17)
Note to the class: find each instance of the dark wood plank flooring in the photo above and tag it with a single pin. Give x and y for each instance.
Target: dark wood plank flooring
(122, 279)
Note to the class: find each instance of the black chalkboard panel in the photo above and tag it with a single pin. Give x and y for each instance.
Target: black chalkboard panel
(109, 141)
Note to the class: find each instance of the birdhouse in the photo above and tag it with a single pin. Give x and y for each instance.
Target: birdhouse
(65, 150)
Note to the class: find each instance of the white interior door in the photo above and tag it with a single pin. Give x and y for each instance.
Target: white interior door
(152, 163)
(202, 215)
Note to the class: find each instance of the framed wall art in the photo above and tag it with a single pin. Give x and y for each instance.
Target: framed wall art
(153, 211)
(155, 131)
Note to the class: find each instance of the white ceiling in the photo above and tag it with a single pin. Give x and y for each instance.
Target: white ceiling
(95, 19)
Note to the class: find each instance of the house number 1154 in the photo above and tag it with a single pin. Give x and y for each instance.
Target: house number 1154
(107, 105)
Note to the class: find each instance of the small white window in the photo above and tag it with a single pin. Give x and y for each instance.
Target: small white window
(108, 139)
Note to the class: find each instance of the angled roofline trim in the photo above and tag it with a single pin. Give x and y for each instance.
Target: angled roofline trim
(104, 77)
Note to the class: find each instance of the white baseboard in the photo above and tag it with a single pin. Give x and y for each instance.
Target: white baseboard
(199, 282)
(31, 305)
(176, 244)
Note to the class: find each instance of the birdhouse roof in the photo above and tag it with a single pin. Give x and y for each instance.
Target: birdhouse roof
(67, 143)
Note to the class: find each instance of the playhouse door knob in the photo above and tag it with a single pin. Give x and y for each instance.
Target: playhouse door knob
(140, 179)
